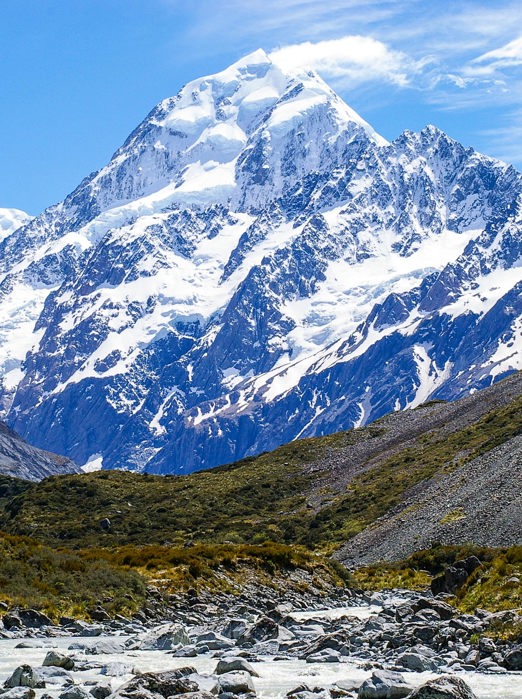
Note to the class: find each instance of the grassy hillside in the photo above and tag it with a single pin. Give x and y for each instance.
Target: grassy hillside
(261, 513)
(315, 492)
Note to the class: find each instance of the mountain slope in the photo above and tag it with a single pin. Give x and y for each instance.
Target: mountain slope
(21, 460)
(323, 492)
(253, 265)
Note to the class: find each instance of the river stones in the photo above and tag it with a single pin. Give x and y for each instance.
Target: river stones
(25, 676)
(56, 659)
(18, 693)
(513, 659)
(100, 691)
(164, 684)
(231, 664)
(165, 637)
(75, 692)
(448, 687)
(235, 683)
(384, 684)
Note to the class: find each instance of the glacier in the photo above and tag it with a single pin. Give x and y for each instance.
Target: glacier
(256, 264)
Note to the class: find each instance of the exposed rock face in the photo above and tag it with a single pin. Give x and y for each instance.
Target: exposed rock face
(21, 460)
(256, 264)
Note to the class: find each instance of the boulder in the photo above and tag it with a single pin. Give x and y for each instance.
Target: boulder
(264, 629)
(415, 662)
(327, 655)
(165, 637)
(230, 664)
(25, 676)
(444, 610)
(163, 683)
(56, 659)
(100, 691)
(108, 646)
(18, 693)
(384, 684)
(34, 619)
(513, 659)
(214, 641)
(235, 683)
(235, 628)
(447, 687)
(75, 692)
(455, 576)
(12, 621)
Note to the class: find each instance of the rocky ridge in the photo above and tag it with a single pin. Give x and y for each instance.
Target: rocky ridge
(21, 460)
(256, 264)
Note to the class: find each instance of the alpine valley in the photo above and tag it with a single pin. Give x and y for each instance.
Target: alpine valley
(255, 264)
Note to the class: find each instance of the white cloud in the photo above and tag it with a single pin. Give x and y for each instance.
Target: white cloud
(351, 60)
(503, 57)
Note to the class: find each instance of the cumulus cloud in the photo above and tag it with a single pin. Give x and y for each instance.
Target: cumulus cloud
(350, 60)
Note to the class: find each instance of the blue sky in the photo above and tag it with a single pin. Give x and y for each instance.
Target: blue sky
(77, 76)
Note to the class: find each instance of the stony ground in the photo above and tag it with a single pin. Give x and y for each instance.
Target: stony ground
(394, 637)
(480, 502)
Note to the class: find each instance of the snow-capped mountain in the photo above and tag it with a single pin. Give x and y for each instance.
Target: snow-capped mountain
(256, 264)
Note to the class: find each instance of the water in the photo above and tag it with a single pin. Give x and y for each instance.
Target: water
(276, 677)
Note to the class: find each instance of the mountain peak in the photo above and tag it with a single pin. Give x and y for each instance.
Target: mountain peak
(251, 267)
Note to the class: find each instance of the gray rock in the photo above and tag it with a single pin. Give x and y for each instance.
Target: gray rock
(18, 693)
(12, 621)
(56, 659)
(34, 619)
(75, 692)
(447, 687)
(55, 675)
(235, 628)
(108, 646)
(384, 684)
(165, 637)
(214, 641)
(29, 644)
(185, 652)
(327, 655)
(165, 684)
(513, 659)
(101, 691)
(415, 662)
(25, 676)
(264, 629)
(235, 683)
(230, 664)
(487, 645)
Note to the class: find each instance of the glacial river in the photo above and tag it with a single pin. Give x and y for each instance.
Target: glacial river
(276, 678)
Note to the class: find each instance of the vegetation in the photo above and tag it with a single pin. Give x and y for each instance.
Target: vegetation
(63, 582)
(494, 586)
(260, 517)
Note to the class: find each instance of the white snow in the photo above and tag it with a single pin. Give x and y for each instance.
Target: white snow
(93, 463)
(429, 376)
(11, 220)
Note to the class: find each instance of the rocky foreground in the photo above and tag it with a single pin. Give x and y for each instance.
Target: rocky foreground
(379, 645)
